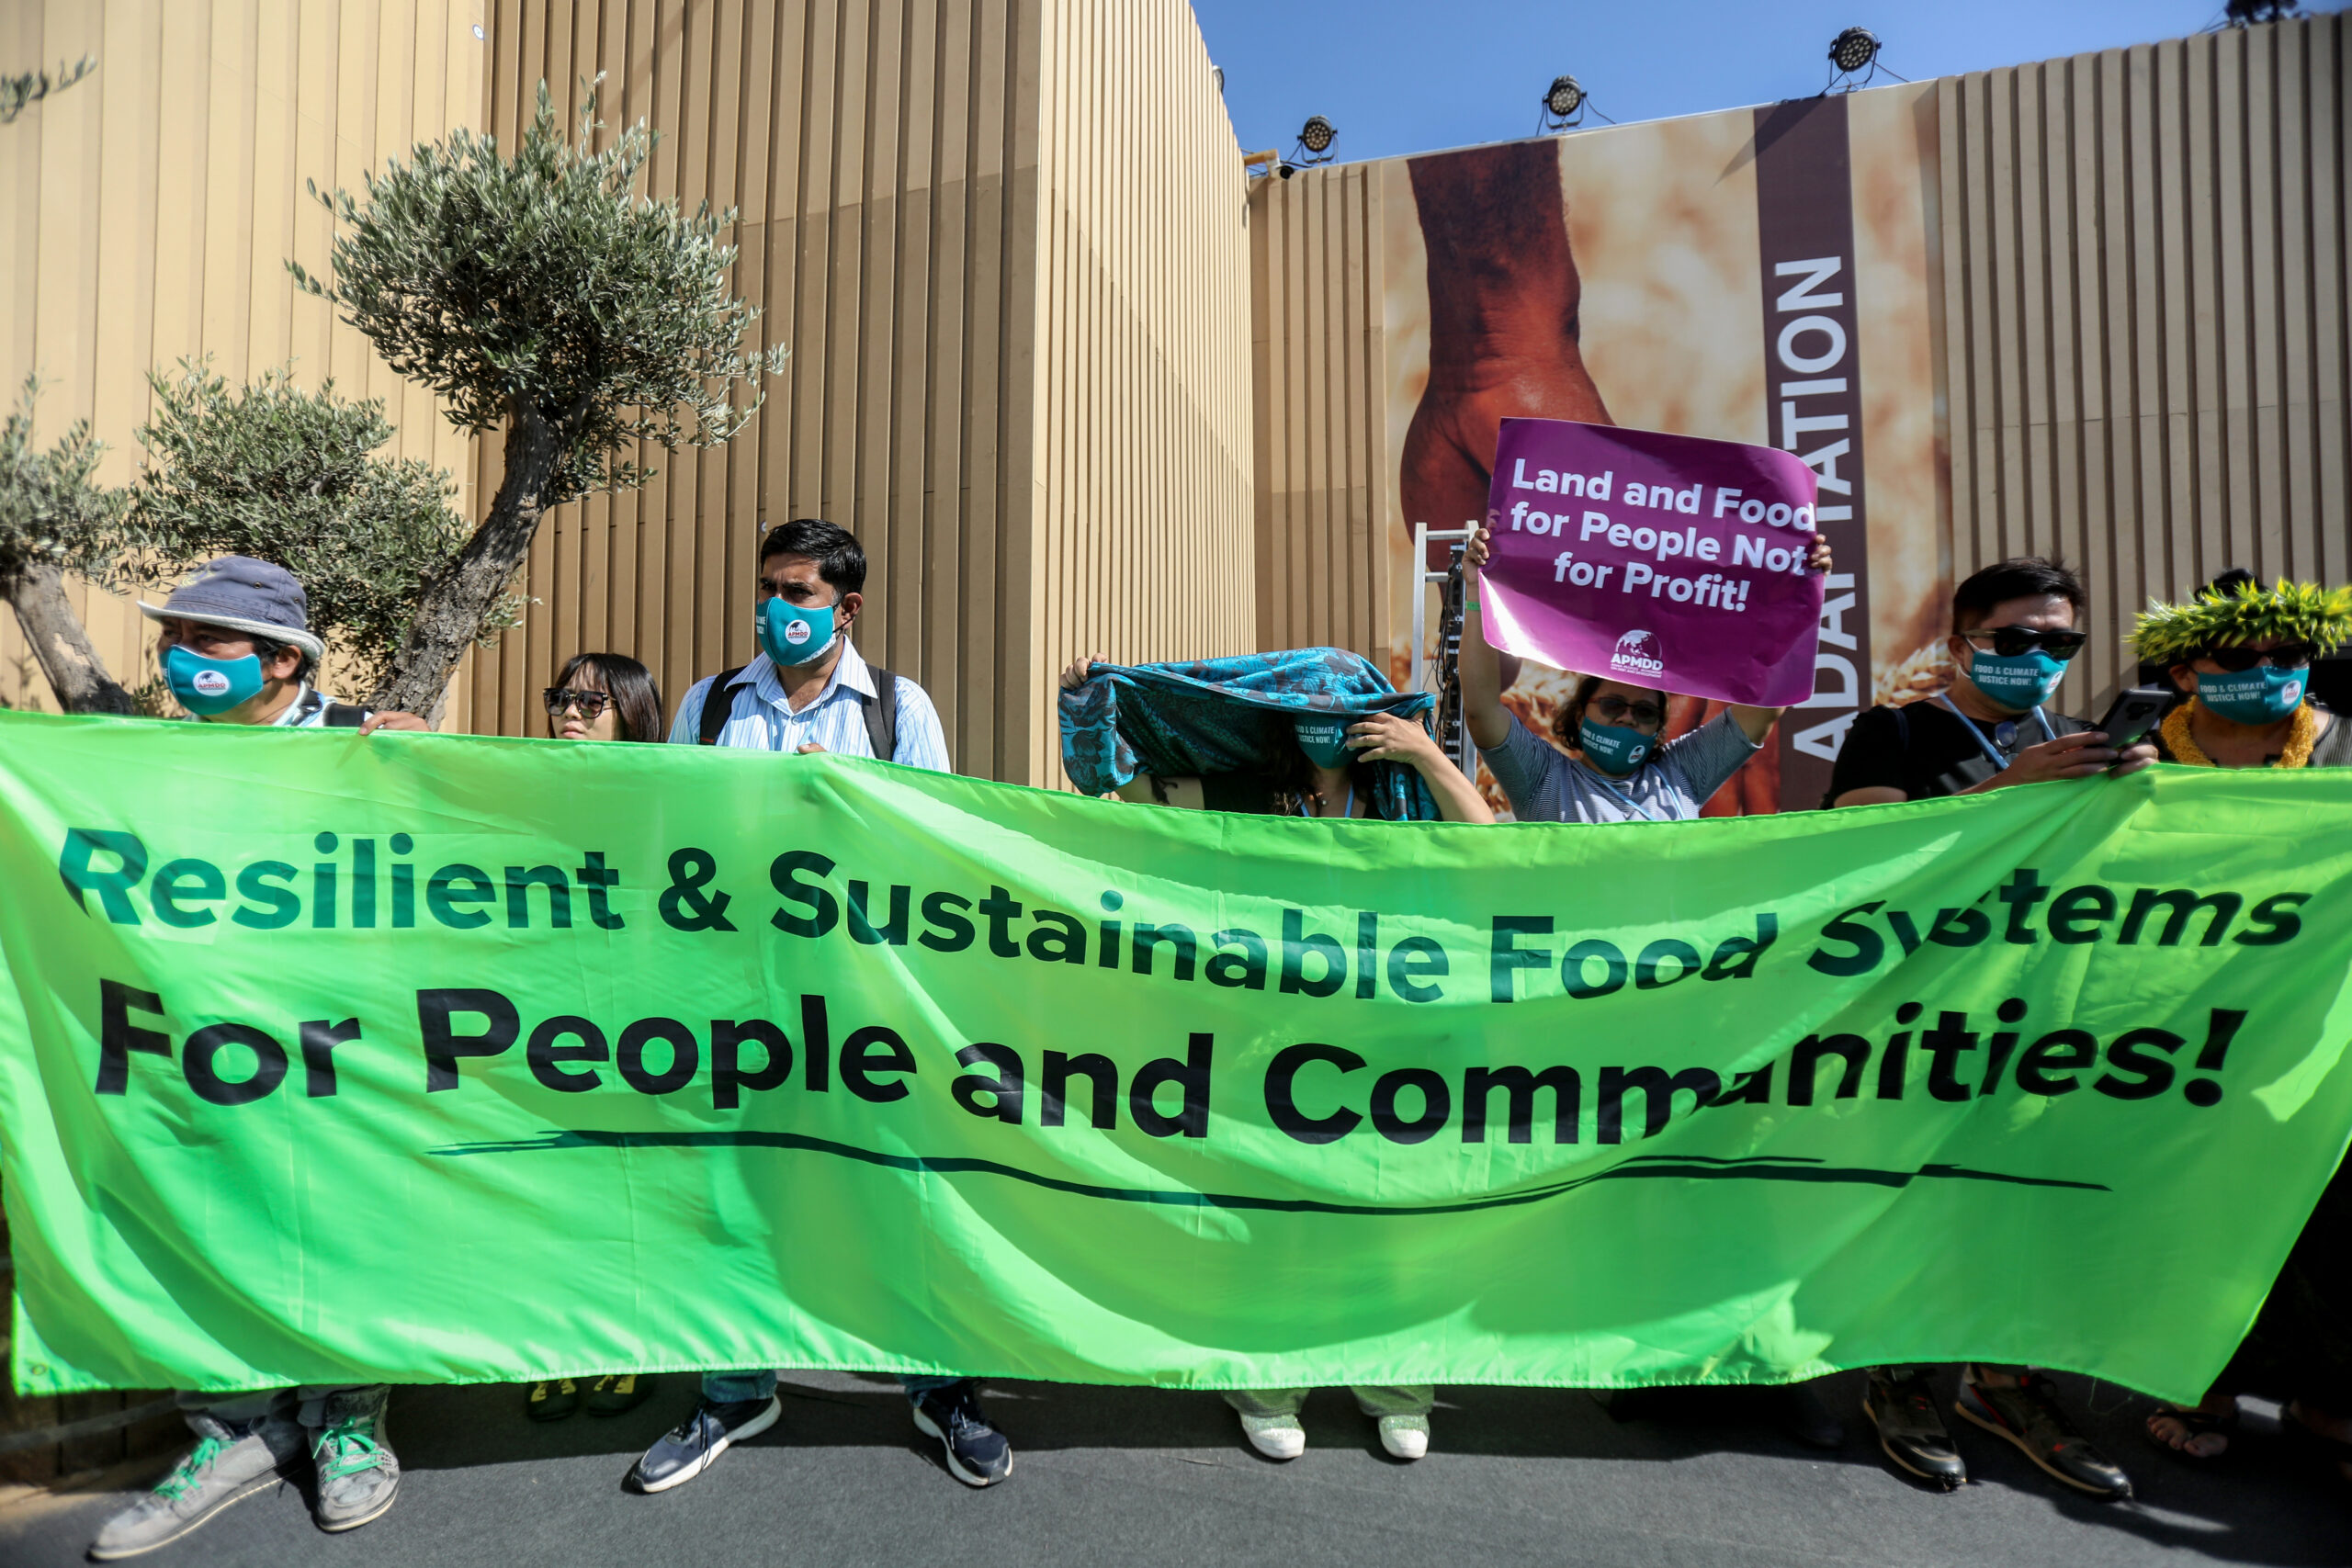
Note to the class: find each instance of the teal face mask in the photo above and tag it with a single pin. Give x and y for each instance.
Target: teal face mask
(2017, 683)
(207, 687)
(793, 634)
(2259, 695)
(1324, 740)
(1614, 747)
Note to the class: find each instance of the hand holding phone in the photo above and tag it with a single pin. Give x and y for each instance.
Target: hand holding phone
(2134, 712)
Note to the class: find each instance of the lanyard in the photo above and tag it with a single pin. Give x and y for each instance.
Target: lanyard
(1304, 811)
(1985, 746)
(1635, 807)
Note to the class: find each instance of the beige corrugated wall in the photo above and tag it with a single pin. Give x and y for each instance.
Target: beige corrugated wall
(2145, 337)
(155, 203)
(2146, 305)
(1323, 464)
(1143, 501)
(1002, 241)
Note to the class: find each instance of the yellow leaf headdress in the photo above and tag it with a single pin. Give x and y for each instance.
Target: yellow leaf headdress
(2242, 613)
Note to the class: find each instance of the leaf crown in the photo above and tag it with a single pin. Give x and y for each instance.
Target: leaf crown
(2244, 612)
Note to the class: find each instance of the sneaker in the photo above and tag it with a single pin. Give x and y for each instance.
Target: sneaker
(1909, 1428)
(230, 1462)
(358, 1474)
(1277, 1436)
(618, 1395)
(679, 1456)
(552, 1401)
(977, 1454)
(1405, 1436)
(2027, 1415)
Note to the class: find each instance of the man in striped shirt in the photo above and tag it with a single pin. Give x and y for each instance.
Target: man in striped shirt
(809, 690)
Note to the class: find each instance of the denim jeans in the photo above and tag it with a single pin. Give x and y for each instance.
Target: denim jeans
(733, 1388)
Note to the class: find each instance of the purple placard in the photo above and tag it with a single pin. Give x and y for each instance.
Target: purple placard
(1667, 561)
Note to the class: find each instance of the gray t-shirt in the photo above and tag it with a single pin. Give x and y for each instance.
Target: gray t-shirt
(1545, 784)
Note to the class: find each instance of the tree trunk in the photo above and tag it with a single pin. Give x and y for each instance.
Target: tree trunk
(458, 603)
(75, 672)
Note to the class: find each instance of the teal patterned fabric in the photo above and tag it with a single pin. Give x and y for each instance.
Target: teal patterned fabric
(1229, 715)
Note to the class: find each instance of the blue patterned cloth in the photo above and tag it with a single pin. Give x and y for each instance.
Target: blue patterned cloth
(1229, 715)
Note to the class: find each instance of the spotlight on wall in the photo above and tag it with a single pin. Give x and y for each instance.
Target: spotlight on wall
(1315, 139)
(1853, 60)
(1563, 106)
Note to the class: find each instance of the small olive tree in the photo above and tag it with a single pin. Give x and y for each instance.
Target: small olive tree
(56, 518)
(543, 293)
(273, 471)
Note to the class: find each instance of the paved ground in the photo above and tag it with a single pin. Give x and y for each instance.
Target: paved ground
(1127, 1476)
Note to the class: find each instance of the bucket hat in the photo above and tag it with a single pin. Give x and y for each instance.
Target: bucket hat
(241, 594)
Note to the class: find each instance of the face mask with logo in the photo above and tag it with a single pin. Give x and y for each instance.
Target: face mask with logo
(2261, 695)
(795, 634)
(1615, 749)
(2017, 683)
(1324, 740)
(207, 687)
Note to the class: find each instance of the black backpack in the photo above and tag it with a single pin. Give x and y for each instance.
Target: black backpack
(881, 712)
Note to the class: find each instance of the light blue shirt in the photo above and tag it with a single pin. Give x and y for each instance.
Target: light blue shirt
(761, 718)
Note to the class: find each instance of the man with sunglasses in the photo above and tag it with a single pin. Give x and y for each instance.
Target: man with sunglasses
(2015, 628)
(2014, 632)
(809, 690)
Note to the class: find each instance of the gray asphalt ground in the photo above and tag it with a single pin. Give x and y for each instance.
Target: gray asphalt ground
(1137, 1476)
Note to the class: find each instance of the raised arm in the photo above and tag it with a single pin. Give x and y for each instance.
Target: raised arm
(1143, 789)
(1384, 737)
(1477, 666)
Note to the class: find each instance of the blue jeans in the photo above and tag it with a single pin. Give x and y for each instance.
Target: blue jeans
(733, 1388)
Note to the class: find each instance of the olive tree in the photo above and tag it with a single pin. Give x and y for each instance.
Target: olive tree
(545, 292)
(288, 475)
(56, 518)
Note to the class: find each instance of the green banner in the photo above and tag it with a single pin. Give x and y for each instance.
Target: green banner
(421, 1059)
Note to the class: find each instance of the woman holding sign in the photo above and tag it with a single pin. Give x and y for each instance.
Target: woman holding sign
(1615, 768)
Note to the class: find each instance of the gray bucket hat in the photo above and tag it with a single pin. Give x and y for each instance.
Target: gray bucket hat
(244, 595)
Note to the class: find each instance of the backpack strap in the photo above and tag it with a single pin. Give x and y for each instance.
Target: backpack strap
(882, 713)
(343, 716)
(716, 704)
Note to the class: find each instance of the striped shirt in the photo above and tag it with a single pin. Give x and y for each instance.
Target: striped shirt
(760, 717)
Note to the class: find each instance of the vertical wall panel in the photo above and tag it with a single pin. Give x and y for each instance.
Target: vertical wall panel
(165, 194)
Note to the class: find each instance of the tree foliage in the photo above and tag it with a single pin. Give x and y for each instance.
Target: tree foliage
(55, 517)
(546, 281)
(291, 476)
(545, 292)
(18, 94)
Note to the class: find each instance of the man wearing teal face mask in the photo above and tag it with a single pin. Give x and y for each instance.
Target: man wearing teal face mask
(2014, 632)
(809, 690)
(236, 648)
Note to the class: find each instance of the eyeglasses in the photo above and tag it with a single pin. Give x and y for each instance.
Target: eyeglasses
(591, 705)
(1613, 708)
(2011, 641)
(2286, 656)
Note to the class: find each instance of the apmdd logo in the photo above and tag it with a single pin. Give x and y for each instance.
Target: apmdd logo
(1637, 654)
(209, 683)
(797, 632)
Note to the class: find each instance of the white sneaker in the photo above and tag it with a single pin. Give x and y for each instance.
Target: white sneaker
(1405, 1436)
(1276, 1437)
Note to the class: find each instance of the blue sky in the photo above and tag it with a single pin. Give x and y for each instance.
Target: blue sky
(1411, 75)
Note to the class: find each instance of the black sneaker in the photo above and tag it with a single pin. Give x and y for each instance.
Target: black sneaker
(977, 1454)
(1909, 1428)
(552, 1401)
(2029, 1416)
(678, 1456)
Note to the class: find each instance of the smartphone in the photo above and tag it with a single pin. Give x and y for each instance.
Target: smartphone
(2135, 713)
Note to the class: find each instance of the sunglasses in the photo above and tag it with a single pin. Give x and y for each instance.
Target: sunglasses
(2011, 641)
(2286, 656)
(1615, 709)
(591, 705)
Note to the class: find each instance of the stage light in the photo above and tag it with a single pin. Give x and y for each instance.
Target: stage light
(1316, 135)
(1564, 97)
(1853, 50)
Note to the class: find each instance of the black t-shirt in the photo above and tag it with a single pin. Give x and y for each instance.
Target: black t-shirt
(1925, 750)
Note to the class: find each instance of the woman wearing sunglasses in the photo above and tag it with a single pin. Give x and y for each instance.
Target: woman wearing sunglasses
(2243, 655)
(604, 696)
(1616, 769)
